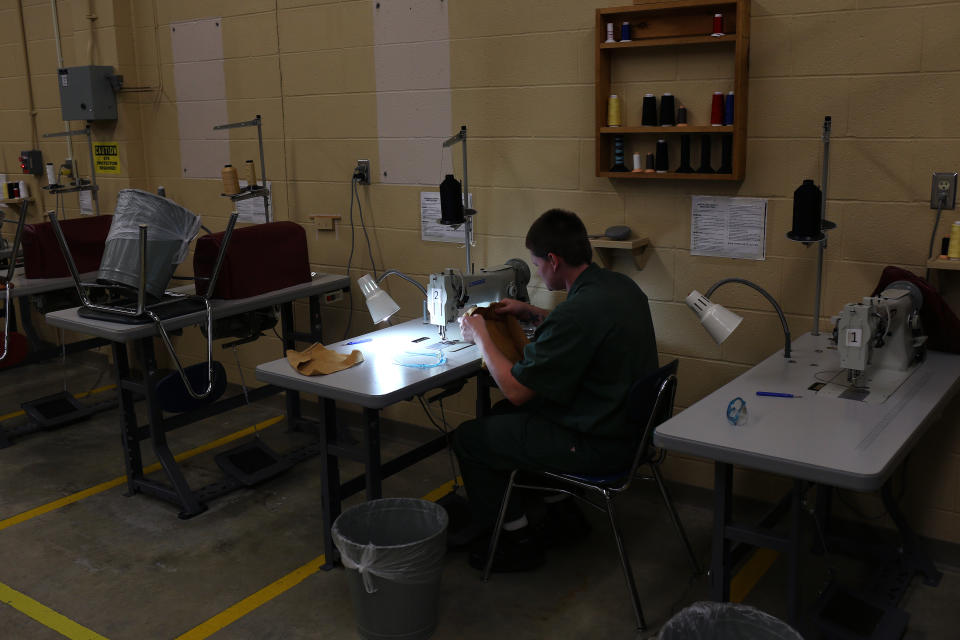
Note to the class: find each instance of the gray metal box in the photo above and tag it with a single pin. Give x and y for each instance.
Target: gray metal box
(87, 93)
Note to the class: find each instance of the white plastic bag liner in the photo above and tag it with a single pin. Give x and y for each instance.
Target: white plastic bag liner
(402, 540)
(170, 229)
(725, 621)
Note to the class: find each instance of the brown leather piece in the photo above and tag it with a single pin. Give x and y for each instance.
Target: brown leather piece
(504, 330)
(317, 360)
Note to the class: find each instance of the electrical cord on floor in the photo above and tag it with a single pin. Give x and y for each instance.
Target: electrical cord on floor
(444, 428)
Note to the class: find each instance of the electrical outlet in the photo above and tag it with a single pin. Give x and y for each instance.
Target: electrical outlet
(362, 172)
(943, 191)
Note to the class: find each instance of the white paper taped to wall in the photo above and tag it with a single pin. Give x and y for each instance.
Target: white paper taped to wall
(430, 213)
(728, 227)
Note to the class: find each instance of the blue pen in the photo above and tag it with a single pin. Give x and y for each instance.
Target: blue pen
(360, 341)
(774, 394)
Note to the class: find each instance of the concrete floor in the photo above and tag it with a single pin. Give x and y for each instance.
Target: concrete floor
(111, 566)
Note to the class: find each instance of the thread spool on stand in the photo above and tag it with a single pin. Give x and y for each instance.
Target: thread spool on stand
(685, 155)
(648, 117)
(250, 174)
(806, 213)
(705, 153)
(231, 181)
(618, 164)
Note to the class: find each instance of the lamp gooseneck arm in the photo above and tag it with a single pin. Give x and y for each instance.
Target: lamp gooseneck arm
(763, 292)
(394, 272)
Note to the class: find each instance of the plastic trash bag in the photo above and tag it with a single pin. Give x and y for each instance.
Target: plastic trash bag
(725, 621)
(401, 540)
(170, 229)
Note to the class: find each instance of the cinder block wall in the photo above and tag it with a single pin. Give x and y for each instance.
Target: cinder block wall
(521, 78)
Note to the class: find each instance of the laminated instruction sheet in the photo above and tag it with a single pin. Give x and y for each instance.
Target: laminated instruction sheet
(728, 227)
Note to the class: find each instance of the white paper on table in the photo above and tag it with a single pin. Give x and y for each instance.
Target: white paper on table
(430, 214)
(728, 227)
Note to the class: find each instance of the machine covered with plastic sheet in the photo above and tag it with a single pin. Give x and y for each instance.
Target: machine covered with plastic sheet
(85, 236)
(170, 229)
(725, 621)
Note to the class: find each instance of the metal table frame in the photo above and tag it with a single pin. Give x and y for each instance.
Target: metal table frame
(177, 491)
(816, 440)
(374, 384)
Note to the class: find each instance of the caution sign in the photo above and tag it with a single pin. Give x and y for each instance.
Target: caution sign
(106, 156)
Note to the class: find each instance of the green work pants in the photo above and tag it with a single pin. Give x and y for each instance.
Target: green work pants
(489, 448)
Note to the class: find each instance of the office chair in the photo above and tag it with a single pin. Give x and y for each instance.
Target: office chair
(649, 403)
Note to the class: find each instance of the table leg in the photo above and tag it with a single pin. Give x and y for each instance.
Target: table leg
(316, 319)
(132, 458)
(913, 552)
(793, 555)
(158, 435)
(722, 499)
(291, 397)
(330, 491)
(371, 446)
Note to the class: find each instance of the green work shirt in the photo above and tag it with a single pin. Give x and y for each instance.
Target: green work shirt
(588, 352)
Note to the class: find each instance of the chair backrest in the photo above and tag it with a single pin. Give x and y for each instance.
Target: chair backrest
(649, 404)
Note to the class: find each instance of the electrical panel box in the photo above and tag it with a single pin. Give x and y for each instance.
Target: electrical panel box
(88, 93)
(31, 162)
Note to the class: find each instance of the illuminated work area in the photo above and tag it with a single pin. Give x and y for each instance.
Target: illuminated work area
(452, 319)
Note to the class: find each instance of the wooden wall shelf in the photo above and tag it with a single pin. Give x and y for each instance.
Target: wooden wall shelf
(637, 246)
(946, 265)
(679, 24)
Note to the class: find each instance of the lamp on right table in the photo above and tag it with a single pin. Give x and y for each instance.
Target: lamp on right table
(720, 322)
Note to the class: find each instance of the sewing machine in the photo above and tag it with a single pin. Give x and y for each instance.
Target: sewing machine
(882, 332)
(450, 290)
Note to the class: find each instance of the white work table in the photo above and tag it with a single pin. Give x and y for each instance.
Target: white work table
(375, 383)
(840, 442)
(177, 490)
(23, 286)
(379, 381)
(829, 441)
(120, 332)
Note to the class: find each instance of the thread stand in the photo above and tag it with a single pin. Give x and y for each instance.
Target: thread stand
(254, 191)
(57, 189)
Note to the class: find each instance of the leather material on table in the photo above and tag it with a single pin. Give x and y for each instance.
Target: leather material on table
(85, 236)
(260, 258)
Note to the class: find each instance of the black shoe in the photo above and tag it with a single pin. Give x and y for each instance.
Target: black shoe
(516, 550)
(564, 525)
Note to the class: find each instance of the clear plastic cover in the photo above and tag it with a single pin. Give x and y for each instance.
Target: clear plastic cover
(725, 621)
(170, 229)
(402, 540)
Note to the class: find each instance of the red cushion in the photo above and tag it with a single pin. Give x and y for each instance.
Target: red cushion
(260, 258)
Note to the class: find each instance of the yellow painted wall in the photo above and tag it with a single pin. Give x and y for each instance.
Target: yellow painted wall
(522, 77)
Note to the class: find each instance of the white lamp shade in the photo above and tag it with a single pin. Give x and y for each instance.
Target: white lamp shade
(379, 303)
(719, 321)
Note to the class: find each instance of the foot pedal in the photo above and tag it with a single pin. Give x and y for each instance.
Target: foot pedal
(845, 615)
(252, 462)
(58, 410)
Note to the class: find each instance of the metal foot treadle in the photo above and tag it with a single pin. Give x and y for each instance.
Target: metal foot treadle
(51, 412)
(252, 462)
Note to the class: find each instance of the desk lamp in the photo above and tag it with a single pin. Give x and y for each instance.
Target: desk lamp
(720, 322)
(379, 303)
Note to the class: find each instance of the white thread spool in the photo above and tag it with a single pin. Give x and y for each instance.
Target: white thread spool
(51, 173)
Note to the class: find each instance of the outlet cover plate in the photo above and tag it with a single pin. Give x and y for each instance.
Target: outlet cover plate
(943, 182)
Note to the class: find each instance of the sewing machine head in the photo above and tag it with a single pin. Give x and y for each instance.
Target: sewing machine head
(449, 291)
(882, 331)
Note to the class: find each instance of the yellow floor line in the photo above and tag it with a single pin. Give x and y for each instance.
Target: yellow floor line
(83, 394)
(100, 488)
(46, 616)
(271, 591)
(751, 572)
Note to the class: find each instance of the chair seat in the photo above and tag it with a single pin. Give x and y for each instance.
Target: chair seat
(613, 479)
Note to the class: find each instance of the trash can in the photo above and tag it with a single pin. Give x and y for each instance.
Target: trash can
(725, 621)
(393, 551)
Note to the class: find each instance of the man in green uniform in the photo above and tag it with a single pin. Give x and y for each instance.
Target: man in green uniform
(566, 397)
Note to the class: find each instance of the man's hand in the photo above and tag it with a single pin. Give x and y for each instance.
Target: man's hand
(524, 311)
(473, 328)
